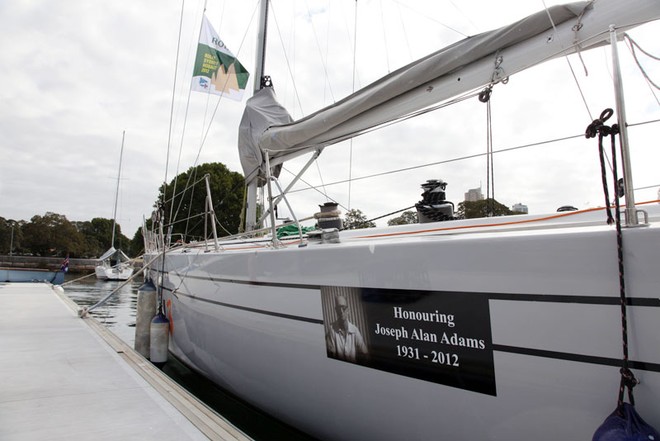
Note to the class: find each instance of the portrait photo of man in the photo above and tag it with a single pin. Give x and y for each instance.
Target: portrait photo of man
(344, 341)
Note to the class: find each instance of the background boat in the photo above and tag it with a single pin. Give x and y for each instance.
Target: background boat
(115, 265)
(31, 275)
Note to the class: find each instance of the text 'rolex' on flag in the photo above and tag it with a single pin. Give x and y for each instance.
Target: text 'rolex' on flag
(216, 69)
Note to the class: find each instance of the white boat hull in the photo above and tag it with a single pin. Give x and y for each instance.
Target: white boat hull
(536, 302)
(100, 272)
(106, 272)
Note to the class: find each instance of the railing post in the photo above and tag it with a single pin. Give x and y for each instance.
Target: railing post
(630, 211)
(209, 207)
(276, 242)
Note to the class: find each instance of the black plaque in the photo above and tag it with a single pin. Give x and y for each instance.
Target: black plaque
(438, 336)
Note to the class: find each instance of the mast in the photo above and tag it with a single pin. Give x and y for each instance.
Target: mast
(259, 81)
(114, 213)
(630, 212)
(260, 63)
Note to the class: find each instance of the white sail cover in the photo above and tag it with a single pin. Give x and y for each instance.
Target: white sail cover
(456, 69)
(111, 252)
(117, 254)
(261, 112)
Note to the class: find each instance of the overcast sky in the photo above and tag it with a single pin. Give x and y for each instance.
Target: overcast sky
(76, 74)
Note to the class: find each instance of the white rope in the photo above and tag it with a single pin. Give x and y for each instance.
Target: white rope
(490, 172)
(632, 45)
(78, 279)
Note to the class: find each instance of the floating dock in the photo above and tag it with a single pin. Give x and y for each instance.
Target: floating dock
(67, 378)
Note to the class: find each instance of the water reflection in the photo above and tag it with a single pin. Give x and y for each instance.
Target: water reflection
(118, 314)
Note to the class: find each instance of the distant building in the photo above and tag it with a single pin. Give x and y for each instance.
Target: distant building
(474, 195)
(520, 208)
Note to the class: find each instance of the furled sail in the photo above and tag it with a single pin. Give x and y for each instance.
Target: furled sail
(461, 67)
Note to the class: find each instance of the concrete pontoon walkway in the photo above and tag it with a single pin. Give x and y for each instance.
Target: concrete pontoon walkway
(67, 378)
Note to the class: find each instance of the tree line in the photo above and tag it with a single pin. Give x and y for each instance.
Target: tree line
(53, 235)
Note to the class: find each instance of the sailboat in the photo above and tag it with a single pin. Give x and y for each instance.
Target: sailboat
(497, 328)
(114, 263)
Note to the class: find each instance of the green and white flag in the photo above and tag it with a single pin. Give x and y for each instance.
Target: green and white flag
(216, 69)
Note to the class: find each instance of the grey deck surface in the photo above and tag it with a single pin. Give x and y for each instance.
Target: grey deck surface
(61, 380)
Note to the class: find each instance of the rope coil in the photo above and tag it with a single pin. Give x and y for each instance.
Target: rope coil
(598, 127)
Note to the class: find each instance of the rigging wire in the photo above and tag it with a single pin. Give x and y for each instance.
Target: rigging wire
(646, 187)
(316, 189)
(570, 66)
(632, 44)
(176, 64)
(350, 149)
(193, 175)
(327, 49)
(388, 214)
(205, 132)
(405, 33)
(407, 6)
(382, 23)
(286, 59)
(576, 29)
(323, 62)
(183, 133)
(216, 206)
(318, 168)
(169, 146)
(457, 159)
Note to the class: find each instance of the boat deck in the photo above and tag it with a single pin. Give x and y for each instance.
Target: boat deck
(65, 378)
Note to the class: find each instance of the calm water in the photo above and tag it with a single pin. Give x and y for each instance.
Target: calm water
(118, 314)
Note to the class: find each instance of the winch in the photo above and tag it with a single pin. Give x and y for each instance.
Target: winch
(434, 207)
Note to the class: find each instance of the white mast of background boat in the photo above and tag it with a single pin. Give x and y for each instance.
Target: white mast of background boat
(122, 270)
(114, 212)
